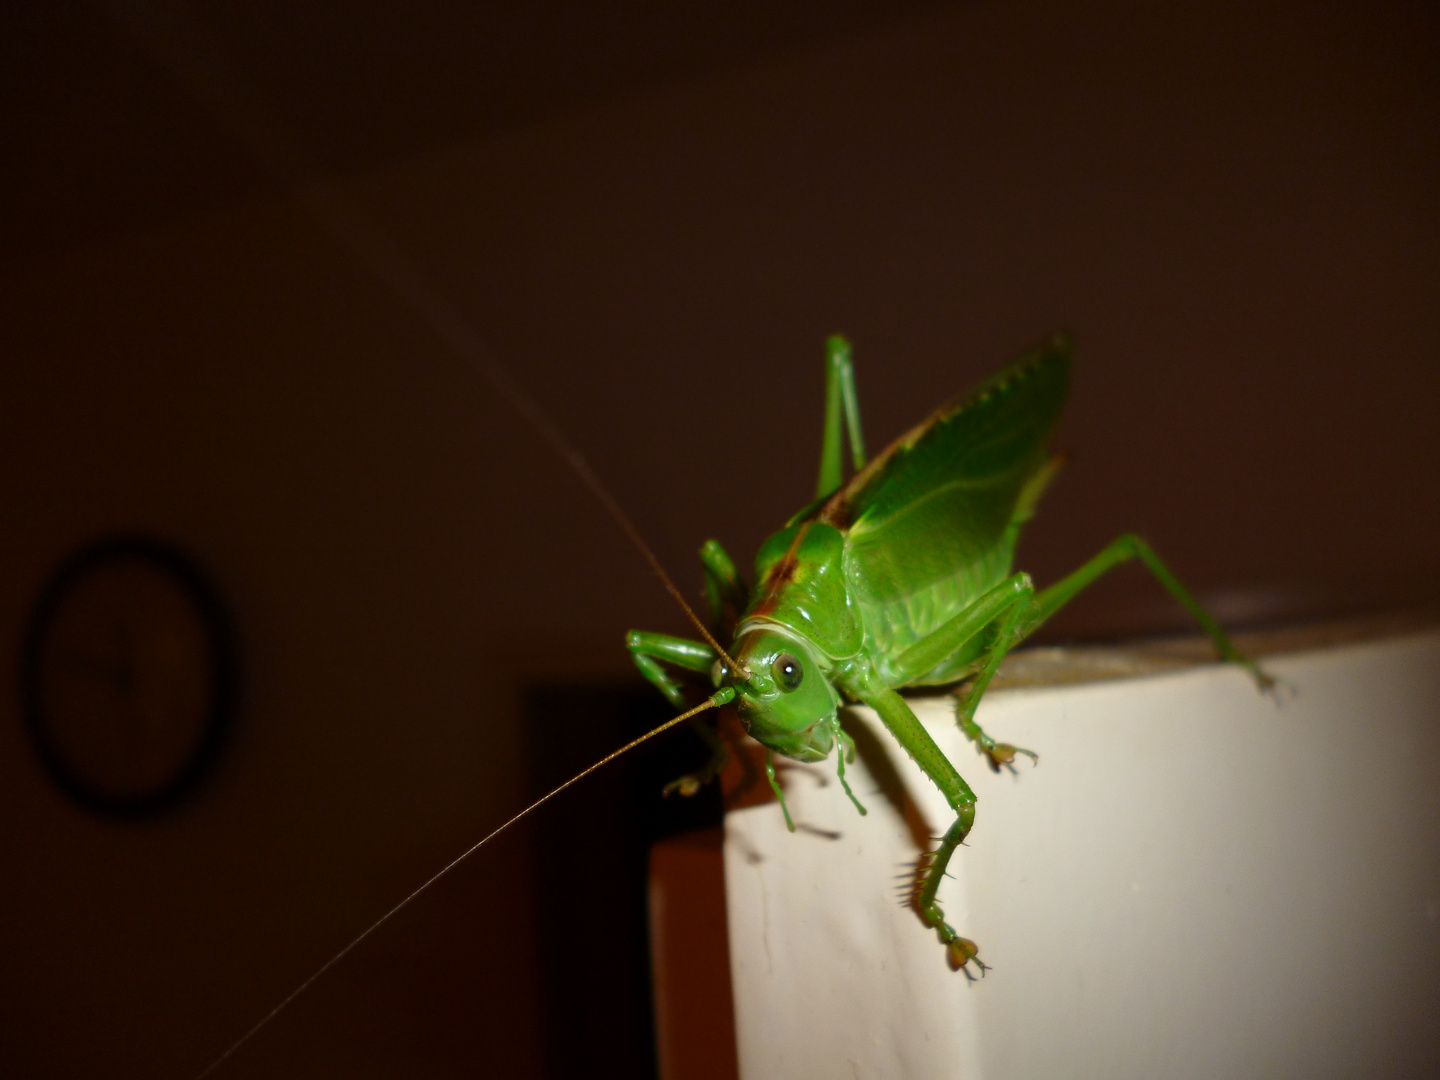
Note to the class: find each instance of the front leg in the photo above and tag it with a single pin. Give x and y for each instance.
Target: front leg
(909, 732)
(648, 650)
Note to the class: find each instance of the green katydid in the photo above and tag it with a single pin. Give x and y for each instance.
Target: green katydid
(900, 577)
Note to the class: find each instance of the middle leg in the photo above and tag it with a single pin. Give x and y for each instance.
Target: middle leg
(1002, 611)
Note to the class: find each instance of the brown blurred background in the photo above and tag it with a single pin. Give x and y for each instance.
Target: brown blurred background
(652, 216)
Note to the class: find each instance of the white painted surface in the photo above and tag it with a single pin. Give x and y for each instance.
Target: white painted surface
(1194, 882)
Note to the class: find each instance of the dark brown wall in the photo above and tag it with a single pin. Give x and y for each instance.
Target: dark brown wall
(1233, 208)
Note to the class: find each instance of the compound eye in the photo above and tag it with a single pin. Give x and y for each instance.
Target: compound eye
(787, 671)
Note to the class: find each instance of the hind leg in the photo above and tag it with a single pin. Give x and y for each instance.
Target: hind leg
(1123, 549)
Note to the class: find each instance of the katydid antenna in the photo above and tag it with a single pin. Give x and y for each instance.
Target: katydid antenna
(176, 38)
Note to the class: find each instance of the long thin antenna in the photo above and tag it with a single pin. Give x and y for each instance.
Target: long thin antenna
(176, 38)
(720, 697)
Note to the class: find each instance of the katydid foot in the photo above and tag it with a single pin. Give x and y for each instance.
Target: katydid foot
(1003, 754)
(999, 755)
(1274, 688)
(691, 783)
(961, 952)
(687, 785)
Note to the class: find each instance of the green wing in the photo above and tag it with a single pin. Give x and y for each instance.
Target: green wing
(932, 521)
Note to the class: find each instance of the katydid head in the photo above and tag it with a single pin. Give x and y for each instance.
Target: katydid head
(783, 698)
